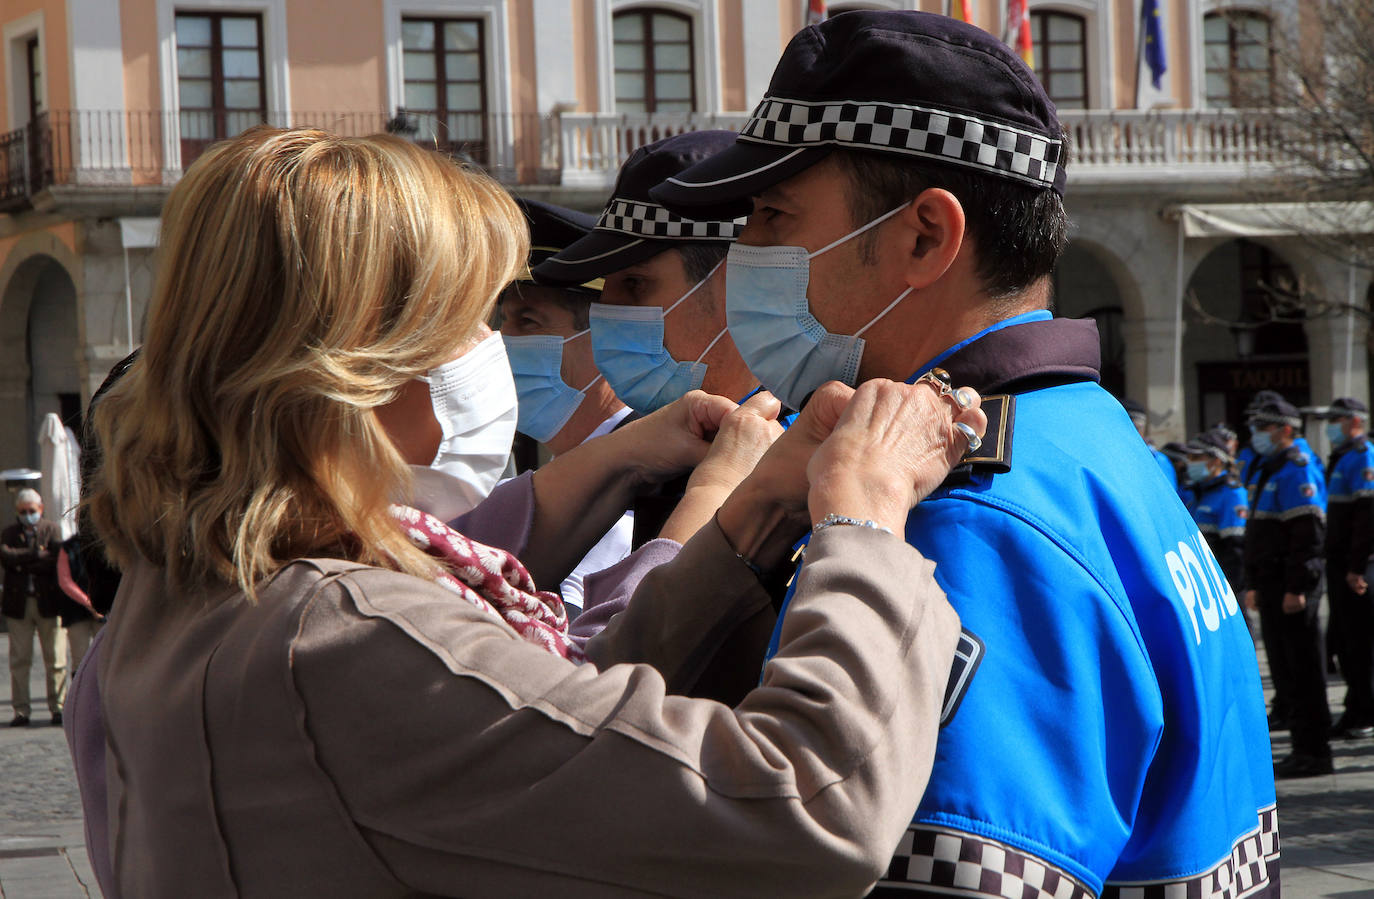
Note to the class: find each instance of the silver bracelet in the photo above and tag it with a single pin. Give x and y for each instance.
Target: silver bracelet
(832, 519)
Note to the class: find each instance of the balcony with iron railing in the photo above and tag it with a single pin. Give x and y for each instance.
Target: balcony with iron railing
(65, 151)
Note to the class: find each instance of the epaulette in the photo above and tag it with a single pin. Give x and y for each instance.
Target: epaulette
(1296, 456)
(994, 456)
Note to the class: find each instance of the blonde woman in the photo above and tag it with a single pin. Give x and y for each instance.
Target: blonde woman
(310, 690)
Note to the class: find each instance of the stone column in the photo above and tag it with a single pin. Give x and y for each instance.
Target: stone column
(1151, 366)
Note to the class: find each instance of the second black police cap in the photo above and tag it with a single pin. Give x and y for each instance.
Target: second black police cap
(633, 226)
(1275, 412)
(1346, 405)
(916, 85)
(552, 229)
(1210, 443)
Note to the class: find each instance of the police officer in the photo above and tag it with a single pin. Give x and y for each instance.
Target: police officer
(1104, 727)
(1246, 458)
(1283, 574)
(1217, 501)
(658, 330)
(562, 400)
(1350, 506)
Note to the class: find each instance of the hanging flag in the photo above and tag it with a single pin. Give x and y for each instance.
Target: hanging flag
(1018, 34)
(814, 11)
(1152, 41)
(960, 9)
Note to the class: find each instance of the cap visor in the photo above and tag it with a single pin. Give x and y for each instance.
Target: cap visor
(721, 187)
(598, 254)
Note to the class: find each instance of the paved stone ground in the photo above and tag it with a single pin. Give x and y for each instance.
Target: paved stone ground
(1326, 824)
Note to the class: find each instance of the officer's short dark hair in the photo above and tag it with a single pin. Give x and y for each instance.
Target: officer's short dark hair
(699, 259)
(1019, 230)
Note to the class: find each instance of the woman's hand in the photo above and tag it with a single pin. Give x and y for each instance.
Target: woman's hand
(743, 435)
(674, 439)
(891, 445)
(741, 439)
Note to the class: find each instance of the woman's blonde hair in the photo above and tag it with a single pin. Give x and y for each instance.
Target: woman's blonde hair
(303, 278)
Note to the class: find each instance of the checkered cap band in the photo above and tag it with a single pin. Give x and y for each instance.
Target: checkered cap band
(916, 130)
(652, 220)
(1243, 873)
(956, 863)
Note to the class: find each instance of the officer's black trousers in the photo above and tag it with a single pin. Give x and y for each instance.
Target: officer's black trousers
(1354, 646)
(1299, 639)
(1271, 635)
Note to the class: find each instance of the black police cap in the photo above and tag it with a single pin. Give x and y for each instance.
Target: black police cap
(1210, 443)
(1134, 409)
(1275, 412)
(919, 86)
(633, 226)
(1346, 406)
(552, 229)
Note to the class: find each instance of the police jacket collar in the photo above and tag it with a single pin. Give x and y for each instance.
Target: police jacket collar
(1028, 356)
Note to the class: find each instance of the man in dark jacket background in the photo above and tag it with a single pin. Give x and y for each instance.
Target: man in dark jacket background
(28, 550)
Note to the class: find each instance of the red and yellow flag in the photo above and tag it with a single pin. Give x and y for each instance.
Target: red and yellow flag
(961, 10)
(1018, 34)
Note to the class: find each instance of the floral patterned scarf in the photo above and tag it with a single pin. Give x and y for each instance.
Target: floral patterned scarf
(493, 580)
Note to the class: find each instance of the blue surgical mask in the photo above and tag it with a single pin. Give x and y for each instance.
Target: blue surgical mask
(547, 402)
(1262, 442)
(1198, 471)
(770, 320)
(1334, 433)
(627, 344)
(30, 518)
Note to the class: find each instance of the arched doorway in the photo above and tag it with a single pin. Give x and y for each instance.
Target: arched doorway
(1242, 335)
(40, 367)
(1084, 288)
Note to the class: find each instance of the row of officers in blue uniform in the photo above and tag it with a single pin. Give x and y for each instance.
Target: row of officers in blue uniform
(1282, 523)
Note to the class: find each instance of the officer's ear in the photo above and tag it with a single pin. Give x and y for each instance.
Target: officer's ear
(933, 236)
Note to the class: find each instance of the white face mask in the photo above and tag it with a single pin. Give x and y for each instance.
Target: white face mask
(474, 402)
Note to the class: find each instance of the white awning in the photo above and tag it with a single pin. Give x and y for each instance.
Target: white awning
(1273, 219)
(138, 233)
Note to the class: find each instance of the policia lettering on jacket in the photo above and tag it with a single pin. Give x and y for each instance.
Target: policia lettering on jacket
(1111, 740)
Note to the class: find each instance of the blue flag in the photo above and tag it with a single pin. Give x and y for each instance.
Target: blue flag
(1153, 39)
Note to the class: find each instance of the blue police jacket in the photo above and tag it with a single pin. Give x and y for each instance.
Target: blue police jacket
(1284, 537)
(1352, 477)
(1350, 506)
(1104, 726)
(1220, 506)
(1247, 460)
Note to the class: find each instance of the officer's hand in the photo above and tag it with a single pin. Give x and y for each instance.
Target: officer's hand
(1252, 600)
(1357, 583)
(892, 444)
(1294, 603)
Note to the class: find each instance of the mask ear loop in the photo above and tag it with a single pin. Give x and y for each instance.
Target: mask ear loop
(695, 288)
(857, 231)
(890, 306)
(592, 382)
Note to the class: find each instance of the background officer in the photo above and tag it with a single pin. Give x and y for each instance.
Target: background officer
(1218, 502)
(658, 330)
(1283, 574)
(1349, 521)
(1140, 417)
(1104, 726)
(563, 400)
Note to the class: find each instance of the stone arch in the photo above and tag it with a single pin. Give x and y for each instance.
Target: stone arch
(1090, 281)
(1226, 361)
(42, 366)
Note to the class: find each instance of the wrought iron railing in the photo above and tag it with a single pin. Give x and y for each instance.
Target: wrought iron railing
(64, 147)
